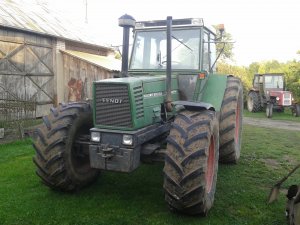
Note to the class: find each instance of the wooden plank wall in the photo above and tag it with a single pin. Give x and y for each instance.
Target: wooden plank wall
(79, 76)
(26, 68)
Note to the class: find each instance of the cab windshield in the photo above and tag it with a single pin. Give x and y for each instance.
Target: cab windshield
(149, 50)
(274, 82)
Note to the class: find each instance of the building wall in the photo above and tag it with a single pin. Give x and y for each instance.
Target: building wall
(79, 76)
(32, 68)
(26, 68)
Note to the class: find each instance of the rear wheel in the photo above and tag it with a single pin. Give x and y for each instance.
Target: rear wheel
(269, 110)
(61, 163)
(191, 162)
(253, 102)
(231, 121)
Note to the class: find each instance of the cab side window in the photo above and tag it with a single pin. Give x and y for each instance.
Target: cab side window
(213, 52)
(206, 59)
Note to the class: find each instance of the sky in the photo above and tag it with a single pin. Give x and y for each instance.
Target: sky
(262, 29)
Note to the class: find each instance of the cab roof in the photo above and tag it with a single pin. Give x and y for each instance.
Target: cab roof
(186, 22)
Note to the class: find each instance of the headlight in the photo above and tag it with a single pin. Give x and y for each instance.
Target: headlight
(95, 136)
(277, 98)
(127, 139)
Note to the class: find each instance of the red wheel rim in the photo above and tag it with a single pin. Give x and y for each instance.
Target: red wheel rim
(237, 124)
(210, 171)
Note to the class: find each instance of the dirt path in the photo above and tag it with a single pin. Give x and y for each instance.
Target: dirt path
(279, 124)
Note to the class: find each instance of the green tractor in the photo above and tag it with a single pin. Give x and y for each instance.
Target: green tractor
(167, 105)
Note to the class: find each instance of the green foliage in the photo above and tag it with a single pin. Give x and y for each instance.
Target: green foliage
(272, 66)
(118, 55)
(137, 198)
(237, 71)
(292, 72)
(227, 53)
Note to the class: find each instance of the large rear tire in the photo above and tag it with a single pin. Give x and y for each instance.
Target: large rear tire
(231, 116)
(61, 163)
(253, 102)
(191, 162)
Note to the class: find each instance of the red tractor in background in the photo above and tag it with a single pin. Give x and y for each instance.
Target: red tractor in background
(268, 92)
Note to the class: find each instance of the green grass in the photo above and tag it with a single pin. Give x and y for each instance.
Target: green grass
(286, 115)
(138, 198)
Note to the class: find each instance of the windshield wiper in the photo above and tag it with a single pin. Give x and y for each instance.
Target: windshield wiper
(174, 49)
(182, 43)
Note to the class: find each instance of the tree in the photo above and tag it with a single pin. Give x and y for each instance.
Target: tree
(272, 66)
(292, 78)
(237, 71)
(224, 45)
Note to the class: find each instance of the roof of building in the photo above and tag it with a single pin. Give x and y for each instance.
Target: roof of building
(37, 18)
(106, 62)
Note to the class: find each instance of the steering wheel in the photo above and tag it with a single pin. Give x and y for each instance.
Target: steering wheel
(173, 62)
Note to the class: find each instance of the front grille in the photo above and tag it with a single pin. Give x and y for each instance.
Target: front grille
(138, 97)
(287, 99)
(112, 105)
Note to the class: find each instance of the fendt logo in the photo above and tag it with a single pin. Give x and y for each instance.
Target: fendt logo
(112, 100)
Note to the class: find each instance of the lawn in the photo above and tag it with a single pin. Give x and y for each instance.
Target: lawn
(138, 198)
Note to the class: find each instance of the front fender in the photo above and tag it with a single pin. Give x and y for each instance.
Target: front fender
(194, 105)
(213, 92)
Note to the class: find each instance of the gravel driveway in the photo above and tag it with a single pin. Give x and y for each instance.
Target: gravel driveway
(269, 123)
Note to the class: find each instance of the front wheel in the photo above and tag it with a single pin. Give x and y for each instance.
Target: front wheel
(269, 110)
(191, 162)
(61, 162)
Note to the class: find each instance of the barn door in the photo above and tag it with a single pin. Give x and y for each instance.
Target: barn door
(26, 69)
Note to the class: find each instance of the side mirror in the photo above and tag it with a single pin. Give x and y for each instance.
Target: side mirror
(221, 29)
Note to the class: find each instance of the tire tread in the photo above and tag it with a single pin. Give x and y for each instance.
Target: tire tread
(185, 164)
(51, 143)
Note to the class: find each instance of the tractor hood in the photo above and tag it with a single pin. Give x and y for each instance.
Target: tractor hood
(130, 103)
(283, 98)
(135, 79)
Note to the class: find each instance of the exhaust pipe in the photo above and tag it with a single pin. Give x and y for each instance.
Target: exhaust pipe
(169, 65)
(127, 22)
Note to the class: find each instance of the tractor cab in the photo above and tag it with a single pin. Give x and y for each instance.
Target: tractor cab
(193, 52)
(269, 82)
(193, 46)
